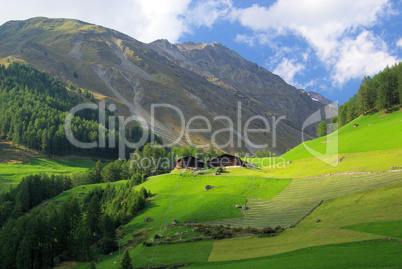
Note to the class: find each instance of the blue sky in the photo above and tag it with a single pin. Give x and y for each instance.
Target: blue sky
(318, 45)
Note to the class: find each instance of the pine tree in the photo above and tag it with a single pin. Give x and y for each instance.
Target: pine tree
(334, 123)
(83, 240)
(387, 89)
(22, 200)
(24, 254)
(45, 142)
(112, 171)
(126, 262)
(16, 135)
(366, 95)
(93, 214)
(211, 151)
(322, 129)
(108, 231)
(95, 175)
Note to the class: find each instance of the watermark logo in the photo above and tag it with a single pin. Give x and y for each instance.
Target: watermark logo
(331, 144)
(240, 132)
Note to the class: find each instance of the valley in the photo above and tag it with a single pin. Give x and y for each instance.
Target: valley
(359, 212)
(324, 190)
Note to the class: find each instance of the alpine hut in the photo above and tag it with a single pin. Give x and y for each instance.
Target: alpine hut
(225, 160)
(190, 162)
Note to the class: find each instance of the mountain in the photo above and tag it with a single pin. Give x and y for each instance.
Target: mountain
(205, 80)
(319, 98)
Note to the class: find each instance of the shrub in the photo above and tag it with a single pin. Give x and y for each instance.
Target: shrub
(251, 230)
(238, 229)
(218, 235)
(267, 230)
(220, 170)
(278, 229)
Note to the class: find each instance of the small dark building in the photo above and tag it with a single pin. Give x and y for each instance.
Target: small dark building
(225, 160)
(190, 162)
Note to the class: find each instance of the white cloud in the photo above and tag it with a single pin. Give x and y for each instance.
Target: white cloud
(206, 13)
(252, 40)
(399, 43)
(249, 40)
(287, 69)
(329, 27)
(145, 20)
(305, 56)
(159, 19)
(365, 55)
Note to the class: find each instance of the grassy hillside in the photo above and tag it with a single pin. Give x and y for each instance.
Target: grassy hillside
(373, 198)
(378, 131)
(301, 195)
(365, 254)
(80, 190)
(381, 204)
(162, 255)
(183, 197)
(390, 229)
(380, 160)
(12, 174)
(374, 145)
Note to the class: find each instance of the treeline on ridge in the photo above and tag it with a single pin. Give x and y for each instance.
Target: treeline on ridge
(383, 91)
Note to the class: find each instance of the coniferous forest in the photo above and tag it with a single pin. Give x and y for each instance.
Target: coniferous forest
(383, 91)
(32, 236)
(33, 108)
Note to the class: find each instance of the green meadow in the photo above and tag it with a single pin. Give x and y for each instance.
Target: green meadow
(79, 191)
(12, 174)
(303, 194)
(380, 160)
(375, 205)
(363, 254)
(375, 145)
(390, 229)
(378, 131)
(161, 255)
(350, 201)
(183, 197)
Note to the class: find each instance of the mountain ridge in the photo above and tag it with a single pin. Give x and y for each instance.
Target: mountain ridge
(200, 79)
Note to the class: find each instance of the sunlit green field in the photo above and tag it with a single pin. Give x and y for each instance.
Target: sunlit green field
(376, 205)
(390, 229)
(183, 197)
(12, 174)
(363, 254)
(381, 160)
(303, 194)
(375, 145)
(378, 131)
(357, 213)
(162, 255)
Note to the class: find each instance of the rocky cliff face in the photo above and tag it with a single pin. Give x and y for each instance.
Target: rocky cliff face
(226, 68)
(200, 79)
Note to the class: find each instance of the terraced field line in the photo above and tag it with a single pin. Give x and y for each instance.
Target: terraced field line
(301, 195)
